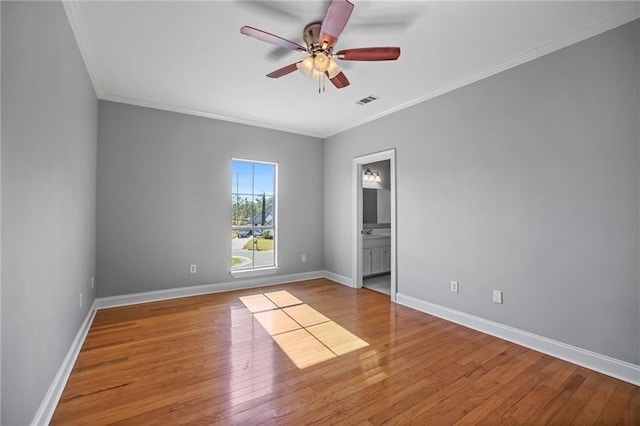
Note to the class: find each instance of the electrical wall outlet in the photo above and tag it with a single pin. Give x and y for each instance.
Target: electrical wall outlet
(193, 269)
(92, 282)
(303, 258)
(454, 286)
(497, 296)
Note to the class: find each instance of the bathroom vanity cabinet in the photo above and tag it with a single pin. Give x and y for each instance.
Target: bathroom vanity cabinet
(376, 255)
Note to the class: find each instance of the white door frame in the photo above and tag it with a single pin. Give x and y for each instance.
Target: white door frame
(357, 214)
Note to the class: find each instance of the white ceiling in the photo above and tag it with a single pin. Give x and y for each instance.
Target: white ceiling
(190, 56)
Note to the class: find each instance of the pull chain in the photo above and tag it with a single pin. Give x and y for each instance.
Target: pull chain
(321, 84)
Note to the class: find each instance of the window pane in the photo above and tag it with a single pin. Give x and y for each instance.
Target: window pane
(264, 255)
(241, 256)
(264, 178)
(242, 177)
(264, 213)
(269, 212)
(242, 209)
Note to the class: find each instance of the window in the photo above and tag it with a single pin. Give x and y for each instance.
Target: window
(253, 215)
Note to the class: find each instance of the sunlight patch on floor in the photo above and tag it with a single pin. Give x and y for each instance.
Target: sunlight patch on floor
(276, 321)
(257, 303)
(283, 298)
(336, 338)
(304, 334)
(302, 348)
(305, 315)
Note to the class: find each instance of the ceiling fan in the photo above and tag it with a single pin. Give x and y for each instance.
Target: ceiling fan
(320, 38)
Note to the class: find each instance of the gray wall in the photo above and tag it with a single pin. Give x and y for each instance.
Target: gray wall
(526, 182)
(0, 215)
(49, 145)
(164, 185)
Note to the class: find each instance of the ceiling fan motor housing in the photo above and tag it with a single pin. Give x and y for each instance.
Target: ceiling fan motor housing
(311, 36)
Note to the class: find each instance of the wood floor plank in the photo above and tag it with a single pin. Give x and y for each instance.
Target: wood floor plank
(525, 386)
(570, 409)
(615, 407)
(631, 415)
(207, 360)
(551, 406)
(596, 402)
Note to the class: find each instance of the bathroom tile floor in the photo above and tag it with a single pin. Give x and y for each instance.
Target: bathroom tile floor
(379, 283)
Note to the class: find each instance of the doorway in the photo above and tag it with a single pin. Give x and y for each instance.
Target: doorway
(374, 222)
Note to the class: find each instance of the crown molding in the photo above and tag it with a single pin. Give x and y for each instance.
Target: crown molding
(72, 9)
(206, 114)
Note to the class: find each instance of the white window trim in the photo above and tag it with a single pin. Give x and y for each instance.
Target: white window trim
(254, 272)
(245, 273)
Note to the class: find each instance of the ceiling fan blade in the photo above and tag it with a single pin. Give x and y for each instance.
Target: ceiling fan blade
(369, 54)
(340, 80)
(284, 71)
(335, 19)
(270, 38)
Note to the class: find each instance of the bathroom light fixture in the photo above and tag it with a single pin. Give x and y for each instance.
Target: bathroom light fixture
(370, 176)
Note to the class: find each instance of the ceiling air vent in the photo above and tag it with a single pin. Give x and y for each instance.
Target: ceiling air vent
(368, 99)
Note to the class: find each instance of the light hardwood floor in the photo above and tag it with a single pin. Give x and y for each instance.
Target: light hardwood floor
(208, 360)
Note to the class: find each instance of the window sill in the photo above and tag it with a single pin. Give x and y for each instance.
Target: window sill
(254, 272)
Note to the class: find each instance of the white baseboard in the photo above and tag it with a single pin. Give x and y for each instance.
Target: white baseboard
(341, 279)
(173, 293)
(601, 363)
(50, 401)
(594, 361)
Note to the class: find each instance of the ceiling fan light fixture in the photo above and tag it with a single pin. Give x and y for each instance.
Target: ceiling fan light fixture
(321, 62)
(315, 75)
(333, 69)
(306, 66)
